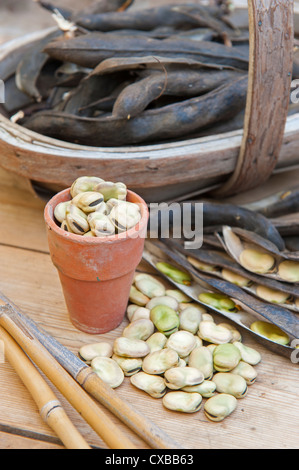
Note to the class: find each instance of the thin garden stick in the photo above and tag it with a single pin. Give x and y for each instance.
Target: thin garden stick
(49, 406)
(77, 397)
(83, 374)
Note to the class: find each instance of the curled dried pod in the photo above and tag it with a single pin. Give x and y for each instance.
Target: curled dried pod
(185, 402)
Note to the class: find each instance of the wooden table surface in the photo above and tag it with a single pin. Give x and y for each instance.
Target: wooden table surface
(266, 418)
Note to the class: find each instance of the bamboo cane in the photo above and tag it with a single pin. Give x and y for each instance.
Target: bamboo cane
(49, 407)
(141, 425)
(78, 398)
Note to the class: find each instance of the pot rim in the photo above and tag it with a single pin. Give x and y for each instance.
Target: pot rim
(134, 232)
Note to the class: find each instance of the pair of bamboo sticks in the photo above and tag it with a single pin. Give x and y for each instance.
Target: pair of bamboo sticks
(27, 347)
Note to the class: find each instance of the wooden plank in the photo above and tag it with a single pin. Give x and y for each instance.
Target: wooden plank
(13, 439)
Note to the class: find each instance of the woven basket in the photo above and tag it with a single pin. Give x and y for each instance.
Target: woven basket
(227, 164)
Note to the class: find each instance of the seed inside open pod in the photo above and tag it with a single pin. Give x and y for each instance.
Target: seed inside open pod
(183, 342)
(159, 361)
(207, 388)
(165, 319)
(202, 358)
(246, 371)
(89, 351)
(184, 402)
(163, 300)
(154, 385)
(129, 347)
(112, 190)
(226, 357)
(139, 329)
(271, 295)
(156, 341)
(289, 271)
(60, 211)
(270, 331)
(89, 201)
(232, 384)
(219, 301)
(100, 225)
(129, 365)
(190, 319)
(220, 406)
(235, 278)
(125, 216)
(174, 273)
(209, 331)
(179, 377)
(108, 370)
(248, 354)
(85, 183)
(149, 286)
(76, 220)
(257, 261)
(202, 266)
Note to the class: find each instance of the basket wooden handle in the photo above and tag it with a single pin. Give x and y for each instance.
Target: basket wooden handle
(271, 29)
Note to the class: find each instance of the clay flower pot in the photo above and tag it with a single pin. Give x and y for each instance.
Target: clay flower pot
(96, 273)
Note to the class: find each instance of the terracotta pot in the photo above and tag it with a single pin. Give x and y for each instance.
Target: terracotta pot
(96, 273)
